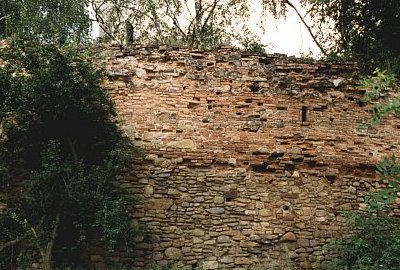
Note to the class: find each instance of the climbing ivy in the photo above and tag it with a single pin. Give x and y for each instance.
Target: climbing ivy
(376, 87)
(377, 83)
(389, 168)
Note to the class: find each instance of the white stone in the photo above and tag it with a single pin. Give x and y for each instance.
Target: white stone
(210, 265)
(232, 161)
(296, 174)
(338, 82)
(140, 72)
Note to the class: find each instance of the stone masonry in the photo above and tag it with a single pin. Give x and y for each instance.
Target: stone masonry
(245, 160)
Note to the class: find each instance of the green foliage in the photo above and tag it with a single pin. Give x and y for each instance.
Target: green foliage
(45, 21)
(375, 240)
(61, 151)
(115, 227)
(379, 111)
(60, 147)
(374, 244)
(376, 84)
(202, 24)
(252, 46)
(12, 228)
(389, 172)
(367, 30)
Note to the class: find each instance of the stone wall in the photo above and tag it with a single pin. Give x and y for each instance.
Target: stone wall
(246, 159)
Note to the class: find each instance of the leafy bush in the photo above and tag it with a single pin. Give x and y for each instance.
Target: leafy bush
(61, 150)
(374, 244)
(253, 46)
(389, 172)
(374, 85)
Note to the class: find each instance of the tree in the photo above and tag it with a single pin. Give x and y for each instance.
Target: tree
(197, 23)
(61, 150)
(60, 146)
(366, 30)
(194, 23)
(45, 21)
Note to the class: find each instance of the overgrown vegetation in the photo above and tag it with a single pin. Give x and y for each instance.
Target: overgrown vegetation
(364, 30)
(378, 86)
(374, 243)
(46, 21)
(60, 147)
(196, 23)
(375, 240)
(60, 152)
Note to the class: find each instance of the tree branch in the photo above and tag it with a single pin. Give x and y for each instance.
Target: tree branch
(17, 240)
(210, 14)
(73, 152)
(12, 242)
(100, 20)
(4, 17)
(175, 21)
(188, 9)
(307, 26)
(41, 251)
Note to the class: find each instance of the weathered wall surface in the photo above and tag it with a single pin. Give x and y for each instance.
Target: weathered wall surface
(246, 159)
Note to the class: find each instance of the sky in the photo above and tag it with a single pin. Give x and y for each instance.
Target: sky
(286, 35)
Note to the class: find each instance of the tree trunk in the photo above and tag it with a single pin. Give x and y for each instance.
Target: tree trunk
(128, 33)
(47, 263)
(198, 16)
(73, 152)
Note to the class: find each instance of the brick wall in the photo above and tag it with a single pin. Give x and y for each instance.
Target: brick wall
(246, 159)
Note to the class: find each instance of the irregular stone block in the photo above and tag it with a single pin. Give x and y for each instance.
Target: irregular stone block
(216, 210)
(288, 237)
(159, 204)
(173, 253)
(231, 194)
(265, 212)
(210, 265)
(303, 242)
(219, 199)
(243, 260)
(184, 144)
(198, 232)
(227, 259)
(223, 239)
(140, 72)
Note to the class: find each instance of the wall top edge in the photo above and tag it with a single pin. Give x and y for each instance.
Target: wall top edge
(151, 49)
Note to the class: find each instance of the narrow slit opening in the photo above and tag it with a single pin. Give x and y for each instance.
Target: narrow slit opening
(303, 113)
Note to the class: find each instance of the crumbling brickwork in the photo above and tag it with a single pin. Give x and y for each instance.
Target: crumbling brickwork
(245, 159)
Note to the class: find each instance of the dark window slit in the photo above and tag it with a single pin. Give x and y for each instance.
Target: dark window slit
(303, 113)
